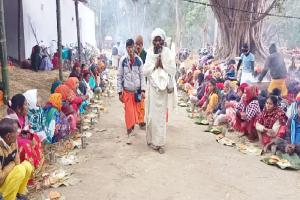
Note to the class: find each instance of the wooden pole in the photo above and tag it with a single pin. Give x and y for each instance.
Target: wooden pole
(20, 21)
(59, 45)
(78, 30)
(3, 54)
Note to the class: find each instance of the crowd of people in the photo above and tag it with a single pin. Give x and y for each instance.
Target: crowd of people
(29, 125)
(147, 86)
(227, 94)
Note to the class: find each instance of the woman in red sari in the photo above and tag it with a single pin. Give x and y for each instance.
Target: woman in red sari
(272, 122)
(30, 146)
(247, 112)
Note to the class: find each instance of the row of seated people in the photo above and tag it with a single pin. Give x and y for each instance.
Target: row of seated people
(29, 126)
(267, 118)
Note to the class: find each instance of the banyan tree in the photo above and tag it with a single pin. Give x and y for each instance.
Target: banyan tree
(236, 26)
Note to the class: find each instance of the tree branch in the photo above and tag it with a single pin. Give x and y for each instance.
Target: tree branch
(267, 11)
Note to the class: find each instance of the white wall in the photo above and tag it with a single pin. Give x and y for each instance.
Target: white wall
(42, 15)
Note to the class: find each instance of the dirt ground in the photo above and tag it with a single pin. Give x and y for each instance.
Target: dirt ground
(21, 80)
(194, 167)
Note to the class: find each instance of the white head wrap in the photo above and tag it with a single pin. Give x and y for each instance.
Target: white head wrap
(31, 97)
(158, 32)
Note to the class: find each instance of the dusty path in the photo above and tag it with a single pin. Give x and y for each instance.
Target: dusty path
(194, 167)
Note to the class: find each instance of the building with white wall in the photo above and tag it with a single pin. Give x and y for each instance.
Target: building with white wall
(39, 24)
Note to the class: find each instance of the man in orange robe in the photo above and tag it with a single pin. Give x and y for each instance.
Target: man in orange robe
(131, 86)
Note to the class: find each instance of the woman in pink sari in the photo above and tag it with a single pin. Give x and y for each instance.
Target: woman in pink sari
(30, 146)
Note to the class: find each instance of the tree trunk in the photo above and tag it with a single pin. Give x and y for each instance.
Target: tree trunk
(20, 21)
(78, 30)
(144, 17)
(216, 34)
(59, 39)
(178, 25)
(100, 23)
(237, 28)
(3, 54)
(205, 35)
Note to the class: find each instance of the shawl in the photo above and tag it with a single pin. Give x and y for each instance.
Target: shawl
(31, 98)
(66, 93)
(251, 92)
(72, 83)
(268, 119)
(56, 100)
(169, 64)
(54, 86)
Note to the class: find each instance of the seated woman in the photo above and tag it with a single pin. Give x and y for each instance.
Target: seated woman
(241, 90)
(54, 85)
(188, 81)
(30, 146)
(95, 80)
(227, 96)
(57, 123)
(230, 71)
(69, 94)
(203, 92)
(213, 98)
(247, 112)
(272, 122)
(182, 76)
(14, 175)
(35, 117)
(195, 96)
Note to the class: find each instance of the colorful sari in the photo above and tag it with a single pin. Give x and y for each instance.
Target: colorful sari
(36, 116)
(276, 120)
(30, 146)
(56, 121)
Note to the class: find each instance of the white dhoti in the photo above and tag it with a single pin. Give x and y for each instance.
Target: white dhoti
(158, 101)
(157, 117)
(247, 77)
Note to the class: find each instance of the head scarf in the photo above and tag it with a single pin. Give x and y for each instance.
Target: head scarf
(251, 92)
(31, 97)
(66, 92)
(220, 86)
(243, 86)
(76, 64)
(72, 83)
(56, 100)
(158, 32)
(55, 85)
